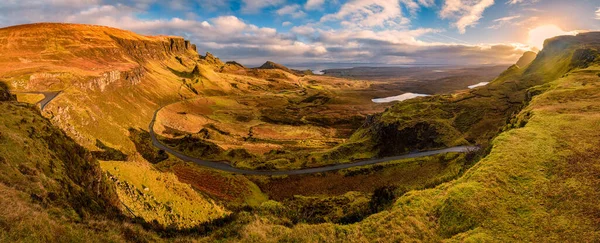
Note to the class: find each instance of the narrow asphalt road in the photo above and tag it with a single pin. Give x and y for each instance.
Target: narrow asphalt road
(48, 96)
(226, 167)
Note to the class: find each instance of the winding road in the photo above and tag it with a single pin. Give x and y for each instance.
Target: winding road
(228, 168)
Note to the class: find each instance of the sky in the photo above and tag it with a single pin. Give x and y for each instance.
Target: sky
(351, 32)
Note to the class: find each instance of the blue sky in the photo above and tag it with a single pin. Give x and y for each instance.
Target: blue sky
(375, 32)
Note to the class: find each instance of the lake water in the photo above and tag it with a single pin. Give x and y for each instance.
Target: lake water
(478, 85)
(405, 96)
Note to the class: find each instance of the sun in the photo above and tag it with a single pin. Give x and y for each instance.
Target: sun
(538, 35)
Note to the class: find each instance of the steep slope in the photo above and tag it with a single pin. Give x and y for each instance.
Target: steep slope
(539, 182)
(47, 179)
(526, 59)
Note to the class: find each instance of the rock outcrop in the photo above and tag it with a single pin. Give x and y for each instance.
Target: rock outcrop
(130, 77)
(209, 59)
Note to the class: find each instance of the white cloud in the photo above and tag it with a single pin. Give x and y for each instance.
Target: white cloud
(254, 6)
(229, 24)
(286, 23)
(369, 13)
(232, 38)
(291, 10)
(466, 13)
(303, 30)
(521, 1)
(414, 5)
(313, 4)
(504, 21)
(598, 14)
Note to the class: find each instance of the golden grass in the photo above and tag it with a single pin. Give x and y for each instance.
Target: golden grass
(30, 98)
(158, 196)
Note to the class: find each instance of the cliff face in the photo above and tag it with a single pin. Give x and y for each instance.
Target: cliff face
(160, 48)
(563, 53)
(130, 77)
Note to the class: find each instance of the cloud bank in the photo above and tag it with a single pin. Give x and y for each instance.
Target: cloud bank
(371, 31)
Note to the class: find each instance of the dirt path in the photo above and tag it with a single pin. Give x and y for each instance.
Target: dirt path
(226, 167)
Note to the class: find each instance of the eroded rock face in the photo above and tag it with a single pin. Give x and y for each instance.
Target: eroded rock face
(134, 76)
(131, 77)
(142, 50)
(41, 81)
(100, 83)
(582, 58)
(393, 141)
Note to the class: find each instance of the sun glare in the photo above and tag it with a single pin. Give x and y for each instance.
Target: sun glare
(539, 34)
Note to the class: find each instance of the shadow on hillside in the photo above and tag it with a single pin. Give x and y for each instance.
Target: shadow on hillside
(5, 94)
(143, 144)
(108, 153)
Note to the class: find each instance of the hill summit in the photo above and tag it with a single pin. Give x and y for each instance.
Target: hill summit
(273, 65)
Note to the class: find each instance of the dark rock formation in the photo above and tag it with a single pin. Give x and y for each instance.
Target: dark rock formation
(582, 58)
(5, 95)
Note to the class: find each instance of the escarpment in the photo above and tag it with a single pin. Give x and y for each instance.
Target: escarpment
(142, 50)
(130, 77)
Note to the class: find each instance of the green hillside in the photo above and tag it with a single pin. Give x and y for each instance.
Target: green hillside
(538, 183)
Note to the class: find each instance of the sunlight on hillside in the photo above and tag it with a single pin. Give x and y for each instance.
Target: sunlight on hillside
(539, 34)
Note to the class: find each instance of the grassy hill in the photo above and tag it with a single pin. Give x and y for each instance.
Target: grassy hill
(538, 183)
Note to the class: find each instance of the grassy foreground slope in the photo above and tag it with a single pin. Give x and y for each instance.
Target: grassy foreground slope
(48, 183)
(538, 183)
